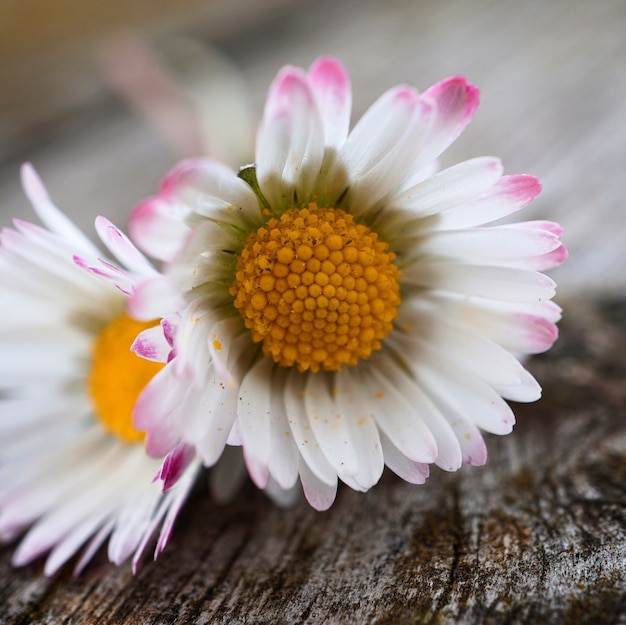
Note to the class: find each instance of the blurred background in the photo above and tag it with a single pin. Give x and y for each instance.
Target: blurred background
(104, 97)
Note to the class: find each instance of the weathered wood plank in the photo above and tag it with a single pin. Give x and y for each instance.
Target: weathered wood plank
(536, 536)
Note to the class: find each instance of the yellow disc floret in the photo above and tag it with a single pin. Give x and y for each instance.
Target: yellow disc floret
(318, 289)
(117, 377)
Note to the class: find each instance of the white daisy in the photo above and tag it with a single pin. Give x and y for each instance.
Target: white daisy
(346, 306)
(73, 469)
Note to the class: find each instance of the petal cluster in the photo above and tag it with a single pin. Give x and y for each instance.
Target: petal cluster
(473, 295)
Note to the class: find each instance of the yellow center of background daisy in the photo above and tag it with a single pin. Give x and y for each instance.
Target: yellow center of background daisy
(117, 377)
(318, 289)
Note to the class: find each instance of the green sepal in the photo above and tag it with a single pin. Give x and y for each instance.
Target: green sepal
(248, 174)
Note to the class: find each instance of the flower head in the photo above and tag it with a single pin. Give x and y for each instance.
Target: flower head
(73, 469)
(347, 306)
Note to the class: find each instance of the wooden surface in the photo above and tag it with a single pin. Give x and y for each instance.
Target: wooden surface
(536, 536)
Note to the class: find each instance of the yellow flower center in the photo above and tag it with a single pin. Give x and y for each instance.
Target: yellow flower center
(319, 290)
(117, 377)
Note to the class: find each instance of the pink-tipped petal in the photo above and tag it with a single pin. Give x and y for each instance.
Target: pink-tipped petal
(409, 471)
(94, 544)
(451, 187)
(154, 409)
(333, 95)
(376, 154)
(121, 279)
(175, 504)
(258, 472)
(380, 129)
(290, 141)
(50, 215)
(496, 245)
(157, 227)
(121, 247)
(211, 189)
(319, 494)
(498, 283)
(174, 465)
(152, 345)
(508, 195)
(454, 102)
(548, 261)
(172, 180)
(540, 224)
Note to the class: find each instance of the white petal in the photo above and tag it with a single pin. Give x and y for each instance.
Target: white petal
(131, 523)
(253, 411)
(220, 340)
(456, 185)
(495, 245)
(378, 131)
(396, 417)
(49, 263)
(301, 430)
(155, 411)
(520, 327)
(330, 425)
(448, 452)
(81, 501)
(508, 195)
(69, 545)
(157, 226)
(283, 464)
(29, 413)
(121, 247)
(528, 391)
(209, 414)
(362, 428)
(290, 141)
(27, 360)
(500, 283)
(427, 333)
(319, 494)
(408, 470)
(284, 498)
(212, 189)
(377, 151)
(154, 298)
(333, 95)
(94, 544)
(173, 503)
(460, 394)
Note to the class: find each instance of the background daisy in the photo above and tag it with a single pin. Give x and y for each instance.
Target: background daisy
(73, 469)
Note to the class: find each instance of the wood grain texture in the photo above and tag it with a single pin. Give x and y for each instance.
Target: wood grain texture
(538, 535)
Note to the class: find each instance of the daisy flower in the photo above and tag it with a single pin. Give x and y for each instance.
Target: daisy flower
(73, 468)
(347, 306)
